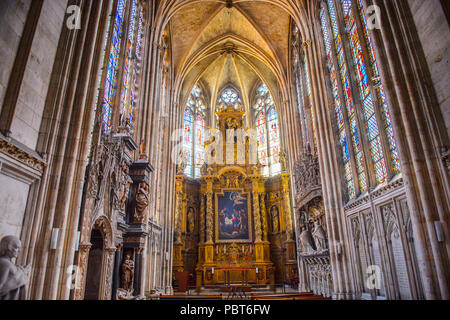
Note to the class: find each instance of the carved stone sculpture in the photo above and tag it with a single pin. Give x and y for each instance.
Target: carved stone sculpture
(127, 273)
(142, 201)
(125, 186)
(306, 241)
(13, 279)
(320, 237)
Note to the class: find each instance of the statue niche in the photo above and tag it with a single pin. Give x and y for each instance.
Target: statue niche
(275, 215)
(142, 201)
(191, 220)
(127, 273)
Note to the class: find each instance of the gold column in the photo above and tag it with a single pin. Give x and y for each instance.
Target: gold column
(287, 206)
(209, 209)
(178, 264)
(264, 216)
(202, 218)
(256, 209)
(209, 248)
(179, 207)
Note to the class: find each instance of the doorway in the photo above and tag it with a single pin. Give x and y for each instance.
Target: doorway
(94, 268)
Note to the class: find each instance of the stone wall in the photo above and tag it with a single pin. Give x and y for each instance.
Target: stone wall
(31, 100)
(13, 14)
(13, 200)
(33, 88)
(434, 33)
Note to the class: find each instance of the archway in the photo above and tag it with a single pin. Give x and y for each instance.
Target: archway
(94, 267)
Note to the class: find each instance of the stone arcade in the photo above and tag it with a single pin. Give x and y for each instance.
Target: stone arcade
(106, 132)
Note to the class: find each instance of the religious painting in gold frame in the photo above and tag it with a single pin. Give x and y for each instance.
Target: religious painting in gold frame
(233, 216)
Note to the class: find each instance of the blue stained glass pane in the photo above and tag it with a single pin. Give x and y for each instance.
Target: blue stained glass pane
(372, 128)
(332, 11)
(272, 114)
(193, 139)
(363, 78)
(346, 6)
(375, 146)
(126, 101)
(113, 64)
(368, 107)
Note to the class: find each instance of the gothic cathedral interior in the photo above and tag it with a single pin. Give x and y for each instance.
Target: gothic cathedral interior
(293, 149)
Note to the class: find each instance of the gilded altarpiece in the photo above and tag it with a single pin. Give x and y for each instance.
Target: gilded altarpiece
(229, 224)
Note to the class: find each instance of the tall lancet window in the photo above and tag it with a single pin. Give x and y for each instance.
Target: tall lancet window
(112, 69)
(123, 44)
(370, 155)
(303, 88)
(131, 67)
(268, 132)
(193, 139)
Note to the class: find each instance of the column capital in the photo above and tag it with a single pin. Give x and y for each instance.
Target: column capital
(84, 247)
(111, 250)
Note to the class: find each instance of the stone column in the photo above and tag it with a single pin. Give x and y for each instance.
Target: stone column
(137, 271)
(83, 255)
(108, 266)
(116, 273)
(418, 139)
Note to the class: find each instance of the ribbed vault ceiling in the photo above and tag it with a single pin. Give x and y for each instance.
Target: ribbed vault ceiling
(241, 45)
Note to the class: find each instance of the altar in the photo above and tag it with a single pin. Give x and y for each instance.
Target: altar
(224, 233)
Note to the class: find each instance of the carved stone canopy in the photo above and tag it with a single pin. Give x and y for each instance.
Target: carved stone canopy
(307, 178)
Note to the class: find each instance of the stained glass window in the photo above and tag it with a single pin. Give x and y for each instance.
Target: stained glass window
(101, 73)
(199, 143)
(188, 140)
(395, 161)
(360, 62)
(113, 66)
(126, 86)
(268, 132)
(129, 119)
(229, 96)
(364, 91)
(348, 98)
(338, 109)
(261, 128)
(193, 137)
(125, 110)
